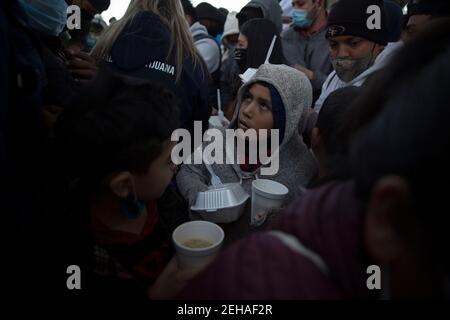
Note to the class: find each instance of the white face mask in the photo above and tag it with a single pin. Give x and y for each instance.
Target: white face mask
(46, 16)
(348, 69)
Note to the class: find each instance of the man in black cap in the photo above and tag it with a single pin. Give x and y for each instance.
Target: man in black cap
(357, 35)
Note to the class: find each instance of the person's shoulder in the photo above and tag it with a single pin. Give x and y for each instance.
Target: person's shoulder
(146, 16)
(144, 21)
(289, 34)
(208, 41)
(143, 45)
(203, 39)
(333, 207)
(194, 71)
(320, 36)
(319, 202)
(296, 276)
(330, 85)
(388, 52)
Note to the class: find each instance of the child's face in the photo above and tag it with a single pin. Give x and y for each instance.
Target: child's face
(256, 109)
(242, 41)
(416, 23)
(152, 185)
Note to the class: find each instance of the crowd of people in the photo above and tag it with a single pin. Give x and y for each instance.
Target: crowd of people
(363, 114)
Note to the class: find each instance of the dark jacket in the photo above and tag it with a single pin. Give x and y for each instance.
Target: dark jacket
(118, 269)
(141, 51)
(26, 173)
(229, 79)
(327, 222)
(61, 86)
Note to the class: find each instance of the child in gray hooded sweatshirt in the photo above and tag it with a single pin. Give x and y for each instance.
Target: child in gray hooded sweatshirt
(276, 97)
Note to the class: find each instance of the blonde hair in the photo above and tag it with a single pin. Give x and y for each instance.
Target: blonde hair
(171, 13)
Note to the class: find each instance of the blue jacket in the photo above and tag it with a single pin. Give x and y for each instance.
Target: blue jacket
(141, 51)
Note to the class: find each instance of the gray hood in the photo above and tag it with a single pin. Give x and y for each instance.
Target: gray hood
(296, 163)
(295, 91)
(197, 29)
(271, 10)
(297, 166)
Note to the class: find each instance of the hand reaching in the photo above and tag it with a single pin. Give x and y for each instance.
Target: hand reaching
(82, 66)
(171, 281)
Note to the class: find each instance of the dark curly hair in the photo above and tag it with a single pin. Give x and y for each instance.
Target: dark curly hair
(116, 124)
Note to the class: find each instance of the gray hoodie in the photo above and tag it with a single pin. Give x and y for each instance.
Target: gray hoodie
(271, 10)
(296, 164)
(206, 46)
(311, 52)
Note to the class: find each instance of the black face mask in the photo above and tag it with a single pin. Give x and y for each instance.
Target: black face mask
(240, 55)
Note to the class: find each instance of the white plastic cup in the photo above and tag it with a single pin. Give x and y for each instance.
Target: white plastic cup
(197, 258)
(267, 195)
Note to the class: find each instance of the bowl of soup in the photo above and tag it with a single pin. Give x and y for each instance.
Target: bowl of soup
(197, 243)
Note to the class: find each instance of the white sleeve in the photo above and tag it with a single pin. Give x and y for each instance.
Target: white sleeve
(325, 92)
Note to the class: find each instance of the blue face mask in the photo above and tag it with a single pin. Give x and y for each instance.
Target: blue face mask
(300, 18)
(132, 207)
(46, 16)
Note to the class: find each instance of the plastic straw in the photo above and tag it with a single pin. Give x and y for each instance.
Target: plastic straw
(272, 45)
(219, 105)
